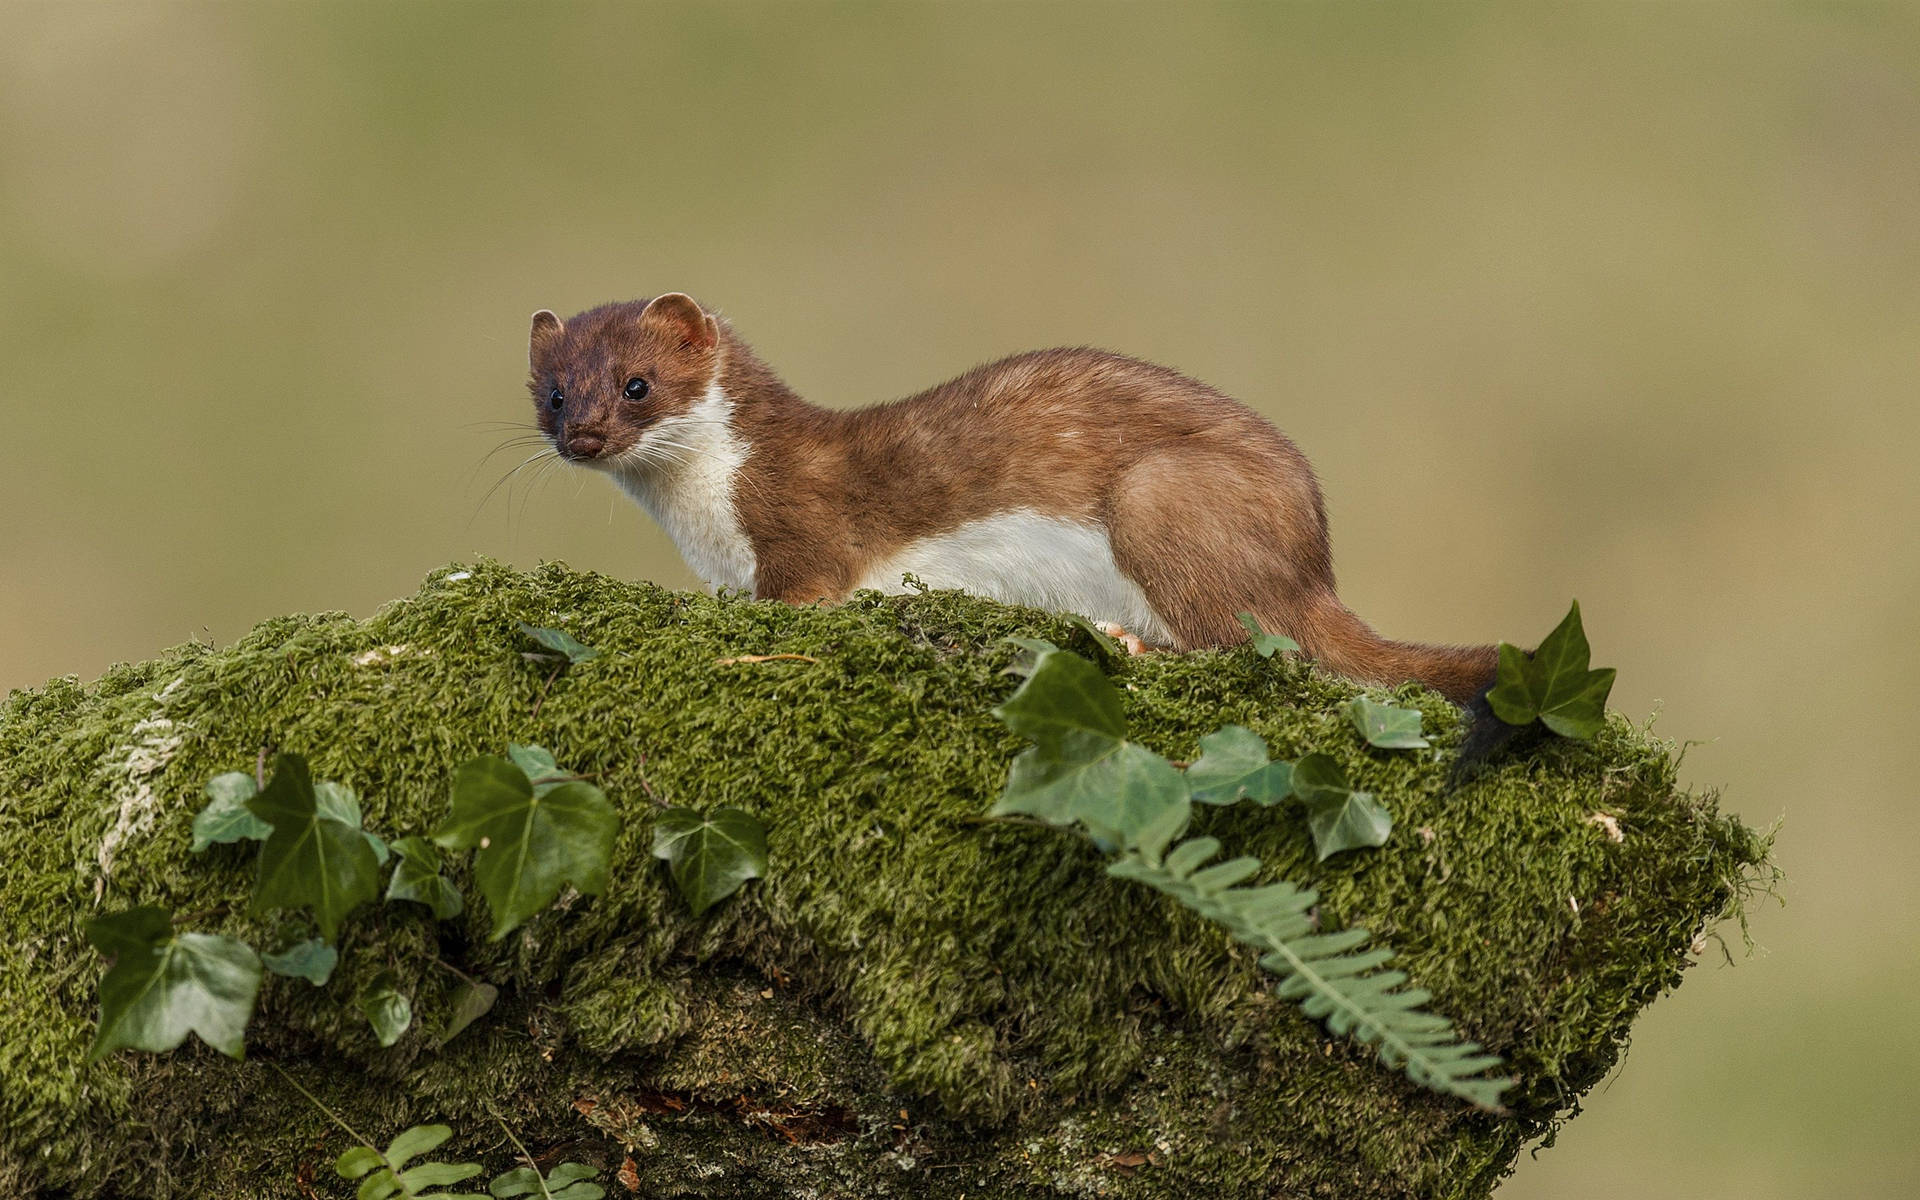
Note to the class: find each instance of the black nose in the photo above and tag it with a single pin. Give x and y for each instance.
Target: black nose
(585, 445)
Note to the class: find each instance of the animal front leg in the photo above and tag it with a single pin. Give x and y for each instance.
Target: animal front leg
(1133, 644)
(797, 583)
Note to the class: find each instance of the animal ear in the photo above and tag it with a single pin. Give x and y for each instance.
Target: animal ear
(679, 317)
(547, 329)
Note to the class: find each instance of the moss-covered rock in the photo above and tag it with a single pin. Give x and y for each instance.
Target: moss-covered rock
(915, 1002)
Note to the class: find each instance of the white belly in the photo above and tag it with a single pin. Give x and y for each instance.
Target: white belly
(1025, 557)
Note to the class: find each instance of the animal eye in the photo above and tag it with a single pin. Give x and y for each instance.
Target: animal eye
(556, 398)
(636, 388)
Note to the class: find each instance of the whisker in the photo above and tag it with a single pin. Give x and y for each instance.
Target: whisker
(540, 474)
(513, 443)
(663, 451)
(689, 447)
(739, 480)
(543, 458)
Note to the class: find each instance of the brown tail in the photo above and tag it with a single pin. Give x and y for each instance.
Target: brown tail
(1329, 632)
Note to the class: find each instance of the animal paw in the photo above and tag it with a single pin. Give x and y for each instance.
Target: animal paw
(1133, 644)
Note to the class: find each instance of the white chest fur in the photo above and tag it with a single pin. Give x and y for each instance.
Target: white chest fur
(682, 472)
(1025, 557)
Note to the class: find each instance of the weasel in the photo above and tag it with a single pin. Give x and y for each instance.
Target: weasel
(1069, 479)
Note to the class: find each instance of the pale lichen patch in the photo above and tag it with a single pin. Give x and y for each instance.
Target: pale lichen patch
(150, 746)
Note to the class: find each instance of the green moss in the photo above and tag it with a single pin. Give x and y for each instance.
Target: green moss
(1031, 1018)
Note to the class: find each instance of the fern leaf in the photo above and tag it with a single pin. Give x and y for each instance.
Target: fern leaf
(387, 1175)
(1334, 980)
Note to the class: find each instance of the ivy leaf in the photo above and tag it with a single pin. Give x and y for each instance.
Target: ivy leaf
(1081, 766)
(1338, 817)
(563, 1183)
(387, 1008)
(163, 986)
(529, 845)
(710, 856)
(1554, 684)
(471, 1001)
(1108, 646)
(312, 960)
(225, 819)
(338, 802)
(417, 877)
(1065, 697)
(1265, 644)
(1233, 766)
(560, 642)
(1023, 664)
(536, 762)
(311, 860)
(1359, 820)
(1115, 788)
(1385, 726)
(1511, 696)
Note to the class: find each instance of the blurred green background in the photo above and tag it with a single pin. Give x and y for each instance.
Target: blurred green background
(1619, 302)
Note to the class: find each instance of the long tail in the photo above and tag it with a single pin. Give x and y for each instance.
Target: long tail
(1329, 632)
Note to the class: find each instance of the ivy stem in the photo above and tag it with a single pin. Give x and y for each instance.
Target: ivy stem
(331, 1115)
(535, 715)
(1016, 821)
(453, 970)
(531, 1165)
(218, 910)
(640, 773)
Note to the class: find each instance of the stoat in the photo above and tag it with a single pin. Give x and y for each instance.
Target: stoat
(1073, 480)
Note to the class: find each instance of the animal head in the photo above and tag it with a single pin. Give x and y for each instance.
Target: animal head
(600, 380)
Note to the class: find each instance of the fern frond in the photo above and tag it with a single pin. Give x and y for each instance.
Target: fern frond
(1334, 980)
(388, 1175)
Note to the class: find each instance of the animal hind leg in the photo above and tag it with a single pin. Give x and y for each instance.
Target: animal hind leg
(1206, 540)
